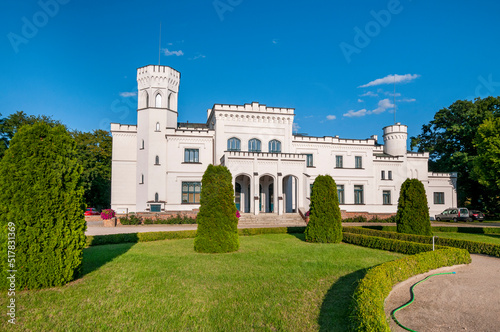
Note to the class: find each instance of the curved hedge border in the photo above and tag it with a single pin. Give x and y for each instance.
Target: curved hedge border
(445, 229)
(473, 247)
(368, 301)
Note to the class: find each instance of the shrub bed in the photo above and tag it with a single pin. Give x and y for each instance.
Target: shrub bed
(374, 242)
(368, 300)
(473, 247)
(374, 219)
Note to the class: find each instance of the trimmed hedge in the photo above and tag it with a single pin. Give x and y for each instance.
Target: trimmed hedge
(368, 301)
(217, 221)
(97, 240)
(324, 220)
(374, 242)
(413, 212)
(474, 247)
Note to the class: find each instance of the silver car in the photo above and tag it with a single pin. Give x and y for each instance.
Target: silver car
(454, 214)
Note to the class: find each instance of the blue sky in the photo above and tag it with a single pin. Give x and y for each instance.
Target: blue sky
(77, 60)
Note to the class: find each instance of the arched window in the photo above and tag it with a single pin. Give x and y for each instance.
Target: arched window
(158, 100)
(142, 145)
(142, 178)
(254, 145)
(233, 144)
(168, 101)
(156, 197)
(147, 99)
(157, 126)
(275, 146)
(157, 160)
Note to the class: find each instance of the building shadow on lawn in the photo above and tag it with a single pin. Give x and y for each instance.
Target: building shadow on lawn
(336, 308)
(96, 256)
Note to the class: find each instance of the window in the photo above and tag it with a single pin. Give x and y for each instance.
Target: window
(157, 126)
(389, 175)
(358, 194)
(157, 160)
(142, 179)
(233, 144)
(275, 146)
(191, 192)
(358, 162)
(311, 189)
(309, 160)
(158, 101)
(254, 145)
(168, 101)
(438, 198)
(191, 155)
(142, 145)
(382, 175)
(386, 195)
(156, 197)
(155, 207)
(340, 193)
(339, 161)
(147, 99)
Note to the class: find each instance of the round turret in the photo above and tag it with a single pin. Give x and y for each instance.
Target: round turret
(395, 138)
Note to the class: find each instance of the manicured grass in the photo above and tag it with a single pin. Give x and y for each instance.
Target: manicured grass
(274, 282)
(485, 238)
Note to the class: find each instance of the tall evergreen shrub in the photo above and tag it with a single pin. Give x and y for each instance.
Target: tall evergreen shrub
(217, 221)
(41, 208)
(324, 219)
(413, 212)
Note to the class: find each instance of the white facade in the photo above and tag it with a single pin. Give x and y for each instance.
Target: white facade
(158, 164)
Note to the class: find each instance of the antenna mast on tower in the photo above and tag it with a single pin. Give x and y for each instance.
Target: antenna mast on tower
(159, 47)
(394, 95)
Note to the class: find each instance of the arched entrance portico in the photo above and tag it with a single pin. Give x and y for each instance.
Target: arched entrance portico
(242, 193)
(290, 193)
(266, 194)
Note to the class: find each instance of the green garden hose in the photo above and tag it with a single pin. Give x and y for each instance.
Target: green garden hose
(393, 313)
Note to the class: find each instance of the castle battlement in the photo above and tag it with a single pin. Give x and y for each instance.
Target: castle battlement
(253, 107)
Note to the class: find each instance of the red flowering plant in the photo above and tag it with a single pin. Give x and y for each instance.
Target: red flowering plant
(107, 214)
(237, 214)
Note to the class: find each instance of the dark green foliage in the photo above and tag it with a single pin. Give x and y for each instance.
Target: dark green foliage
(41, 194)
(382, 243)
(94, 154)
(132, 219)
(178, 220)
(217, 221)
(473, 247)
(324, 220)
(413, 212)
(368, 300)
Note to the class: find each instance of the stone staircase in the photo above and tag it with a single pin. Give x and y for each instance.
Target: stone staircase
(288, 219)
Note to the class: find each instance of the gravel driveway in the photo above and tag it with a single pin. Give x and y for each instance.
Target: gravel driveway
(466, 301)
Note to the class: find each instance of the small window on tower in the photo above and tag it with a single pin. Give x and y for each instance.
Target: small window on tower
(157, 126)
(158, 101)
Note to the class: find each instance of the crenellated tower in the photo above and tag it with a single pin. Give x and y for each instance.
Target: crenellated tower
(158, 88)
(395, 138)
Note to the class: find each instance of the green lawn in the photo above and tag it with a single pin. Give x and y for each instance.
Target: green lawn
(486, 238)
(275, 282)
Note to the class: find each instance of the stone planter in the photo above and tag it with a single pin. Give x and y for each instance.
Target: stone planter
(110, 222)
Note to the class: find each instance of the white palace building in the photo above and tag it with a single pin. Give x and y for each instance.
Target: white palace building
(157, 165)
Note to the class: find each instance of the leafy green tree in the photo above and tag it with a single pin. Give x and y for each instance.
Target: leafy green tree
(11, 124)
(94, 154)
(487, 163)
(449, 140)
(41, 197)
(413, 212)
(324, 219)
(217, 222)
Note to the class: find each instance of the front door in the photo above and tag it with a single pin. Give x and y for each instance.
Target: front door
(271, 198)
(237, 196)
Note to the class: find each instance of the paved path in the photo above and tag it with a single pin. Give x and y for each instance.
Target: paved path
(466, 301)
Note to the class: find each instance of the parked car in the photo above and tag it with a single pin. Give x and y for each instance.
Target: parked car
(91, 212)
(476, 215)
(454, 214)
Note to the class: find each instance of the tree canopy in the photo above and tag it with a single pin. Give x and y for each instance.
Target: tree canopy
(487, 163)
(449, 138)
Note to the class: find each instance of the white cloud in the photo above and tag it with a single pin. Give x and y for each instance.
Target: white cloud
(331, 117)
(392, 94)
(369, 94)
(295, 127)
(390, 79)
(275, 41)
(168, 53)
(360, 100)
(199, 56)
(128, 94)
(382, 106)
(353, 114)
(407, 100)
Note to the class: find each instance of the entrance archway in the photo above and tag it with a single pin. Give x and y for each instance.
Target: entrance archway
(266, 194)
(290, 193)
(242, 193)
